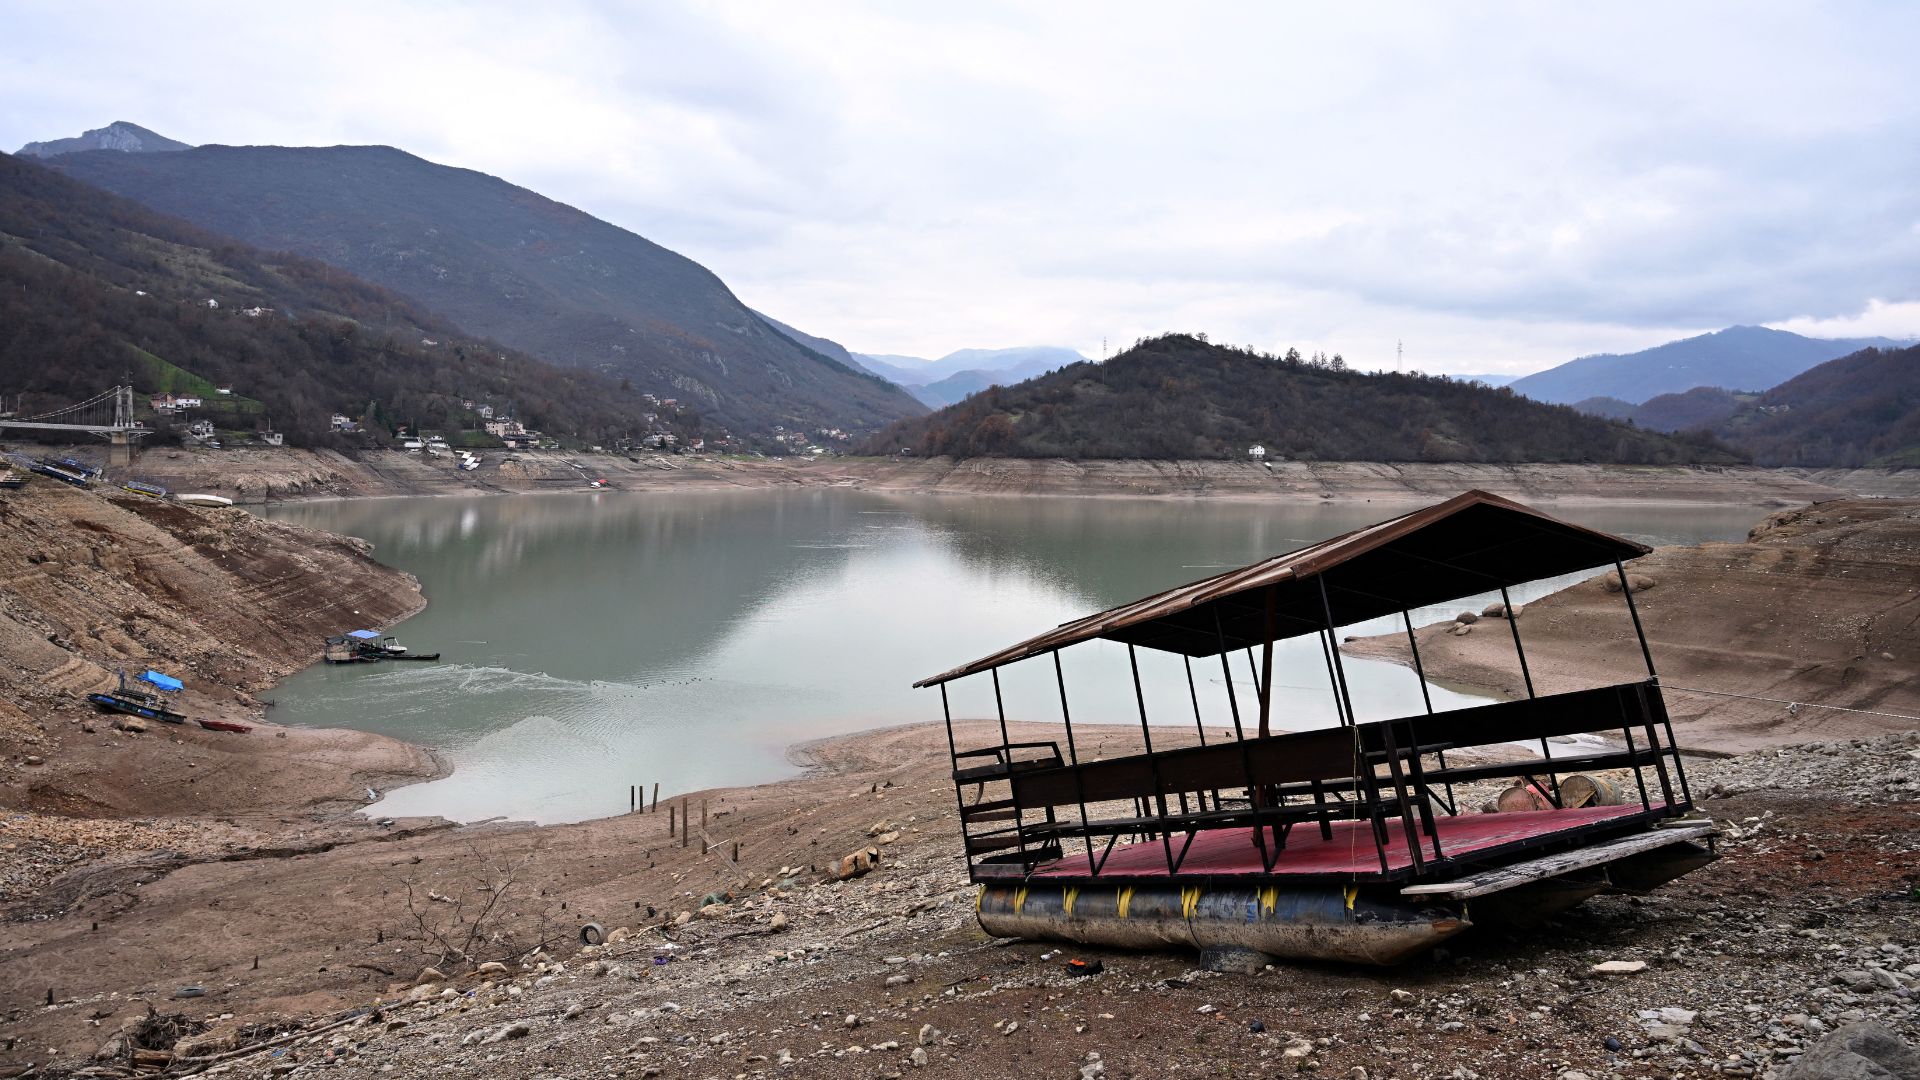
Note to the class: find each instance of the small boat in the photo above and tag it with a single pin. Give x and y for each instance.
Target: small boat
(137, 705)
(60, 472)
(135, 701)
(11, 479)
(204, 500)
(367, 647)
(141, 487)
(225, 725)
(344, 649)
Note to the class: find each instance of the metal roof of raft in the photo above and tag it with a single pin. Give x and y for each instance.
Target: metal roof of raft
(1473, 543)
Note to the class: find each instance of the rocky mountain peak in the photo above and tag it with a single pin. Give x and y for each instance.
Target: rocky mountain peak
(119, 135)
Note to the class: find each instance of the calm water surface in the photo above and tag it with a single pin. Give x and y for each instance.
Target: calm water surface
(606, 639)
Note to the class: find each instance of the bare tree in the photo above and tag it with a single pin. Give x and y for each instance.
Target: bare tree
(476, 925)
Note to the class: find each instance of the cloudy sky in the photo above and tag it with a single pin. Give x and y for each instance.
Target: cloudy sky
(1502, 187)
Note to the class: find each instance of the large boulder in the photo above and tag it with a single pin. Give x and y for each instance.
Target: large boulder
(1863, 1051)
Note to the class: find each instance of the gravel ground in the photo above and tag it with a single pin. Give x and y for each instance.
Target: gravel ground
(1807, 923)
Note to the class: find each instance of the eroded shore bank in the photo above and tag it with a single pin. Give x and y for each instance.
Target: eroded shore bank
(1820, 604)
(93, 583)
(260, 475)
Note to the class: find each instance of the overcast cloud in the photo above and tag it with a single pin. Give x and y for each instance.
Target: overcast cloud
(1503, 187)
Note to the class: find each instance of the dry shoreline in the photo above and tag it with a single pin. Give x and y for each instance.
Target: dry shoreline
(285, 475)
(195, 898)
(1817, 605)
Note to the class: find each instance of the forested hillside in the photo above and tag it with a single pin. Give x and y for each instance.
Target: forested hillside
(1859, 410)
(508, 263)
(1179, 397)
(94, 288)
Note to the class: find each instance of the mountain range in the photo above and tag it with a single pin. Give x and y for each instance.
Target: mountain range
(95, 289)
(937, 383)
(1737, 358)
(1179, 397)
(506, 263)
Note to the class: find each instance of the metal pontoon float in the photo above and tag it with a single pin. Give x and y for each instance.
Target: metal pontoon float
(1345, 843)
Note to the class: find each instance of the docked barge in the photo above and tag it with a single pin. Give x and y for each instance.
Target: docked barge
(1355, 842)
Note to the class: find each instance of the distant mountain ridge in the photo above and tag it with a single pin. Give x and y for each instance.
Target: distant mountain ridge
(507, 263)
(1737, 358)
(119, 135)
(1178, 397)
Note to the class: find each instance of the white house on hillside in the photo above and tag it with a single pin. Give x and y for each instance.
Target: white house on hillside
(1257, 452)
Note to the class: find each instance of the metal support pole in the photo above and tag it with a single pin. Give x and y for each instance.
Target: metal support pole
(1513, 624)
(1426, 697)
(1194, 693)
(1333, 653)
(953, 759)
(1526, 676)
(1266, 663)
(1159, 793)
(1006, 744)
(1345, 701)
(1239, 737)
(1626, 589)
(1073, 756)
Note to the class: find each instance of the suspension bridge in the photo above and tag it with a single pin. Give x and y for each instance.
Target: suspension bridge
(109, 415)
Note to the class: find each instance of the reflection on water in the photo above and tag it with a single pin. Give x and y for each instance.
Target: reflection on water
(610, 639)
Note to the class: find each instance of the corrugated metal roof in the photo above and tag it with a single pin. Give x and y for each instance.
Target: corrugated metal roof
(1475, 542)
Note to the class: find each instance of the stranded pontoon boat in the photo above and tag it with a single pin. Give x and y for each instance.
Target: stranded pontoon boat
(1355, 842)
(144, 699)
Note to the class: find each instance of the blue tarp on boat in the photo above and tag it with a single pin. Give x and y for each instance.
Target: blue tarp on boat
(364, 635)
(164, 682)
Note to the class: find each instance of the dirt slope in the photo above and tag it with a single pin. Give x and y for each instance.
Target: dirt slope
(1821, 604)
(94, 581)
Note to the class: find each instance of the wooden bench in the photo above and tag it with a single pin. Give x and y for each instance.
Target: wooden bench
(1621, 709)
(1309, 765)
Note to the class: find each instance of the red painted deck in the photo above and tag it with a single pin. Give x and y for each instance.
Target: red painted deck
(1227, 852)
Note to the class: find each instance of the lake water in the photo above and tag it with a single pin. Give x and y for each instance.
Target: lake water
(599, 640)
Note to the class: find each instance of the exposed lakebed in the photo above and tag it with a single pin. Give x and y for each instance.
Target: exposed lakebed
(598, 641)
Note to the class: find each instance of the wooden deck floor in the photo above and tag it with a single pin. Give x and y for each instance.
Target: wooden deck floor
(1232, 852)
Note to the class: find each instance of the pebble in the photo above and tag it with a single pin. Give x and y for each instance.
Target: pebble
(1618, 967)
